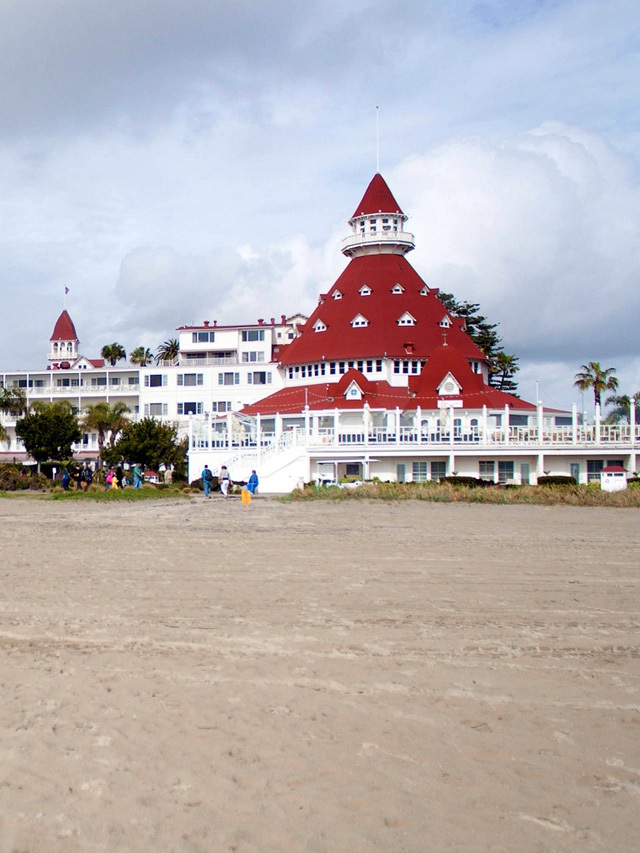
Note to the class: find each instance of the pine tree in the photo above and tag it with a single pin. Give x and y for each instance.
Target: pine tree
(503, 367)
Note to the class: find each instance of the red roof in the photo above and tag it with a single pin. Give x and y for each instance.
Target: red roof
(611, 469)
(382, 336)
(64, 329)
(96, 362)
(378, 198)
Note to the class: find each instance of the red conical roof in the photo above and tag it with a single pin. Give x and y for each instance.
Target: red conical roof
(378, 198)
(64, 329)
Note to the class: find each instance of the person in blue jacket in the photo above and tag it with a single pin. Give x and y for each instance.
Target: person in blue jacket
(252, 485)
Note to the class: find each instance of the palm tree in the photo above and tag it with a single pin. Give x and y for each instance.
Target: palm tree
(591, 375)
(622, 408)
(168, 351)
(13, 401)
(113, 353)
(103, 418)
(504, 367)
(141, 356)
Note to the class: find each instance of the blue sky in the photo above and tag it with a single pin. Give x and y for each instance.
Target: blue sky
(173, 162)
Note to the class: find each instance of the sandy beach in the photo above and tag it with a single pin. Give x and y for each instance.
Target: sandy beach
(192, 676)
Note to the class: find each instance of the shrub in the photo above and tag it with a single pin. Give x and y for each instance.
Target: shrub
(470, 482)
(557, 480)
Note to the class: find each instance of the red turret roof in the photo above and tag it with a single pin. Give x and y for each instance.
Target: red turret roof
(378, 198)
(64, 329)
(382, 309)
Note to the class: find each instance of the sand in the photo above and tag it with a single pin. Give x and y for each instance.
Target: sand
(192, 676)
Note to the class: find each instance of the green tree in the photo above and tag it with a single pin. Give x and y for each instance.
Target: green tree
(149, 443)
(621, 411)
(113, 353)
(141, 356)
(168, 351)
(599, 379)
(503, 367)
(12, 402)
(49, 430)
(105, 419)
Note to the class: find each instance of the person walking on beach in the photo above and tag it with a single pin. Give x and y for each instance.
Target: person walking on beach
(207, 477)
(225, 481)
(252, 485)
(66, 479)
(108, 480)
(137, 477)
(87, 477)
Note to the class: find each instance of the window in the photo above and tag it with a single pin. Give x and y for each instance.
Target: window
(337, 294)
(189, 408)
(259, 377)
(291, 373)
(365, 290)
(518, 420)
(563, 421)
(221, 406)
(424, 291)
(379, 365)
(359, 321)
(248, 357)
(505, 471)
(419, 472)
(438, 469)
(332, 368)
(406, 320)
(203, 337)
(319, 326)
(594, 466)
(155, 410)
(253, 335)
(342, 367)
(155, 380)
(397, 288)
(97, 381)
(190, 378)
(353, 469)
(63, 383)
(396, 366)
(228, 379)
(445, 322)
(487, 470)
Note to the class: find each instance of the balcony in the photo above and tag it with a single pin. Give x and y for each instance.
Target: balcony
(385, 242)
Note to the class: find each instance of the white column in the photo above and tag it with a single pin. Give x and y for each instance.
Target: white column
(307, 437)
(574, 424)
(598, 424)
(397, 420)
(540, 465)
(210, 431)
(418, 424)
(336, 427)
(450, 424)
(540, 422)
(506, 424)
(485, 424)
(278, 427)
(259, 436)
(632, 431)
(229, 430)
(366, 422)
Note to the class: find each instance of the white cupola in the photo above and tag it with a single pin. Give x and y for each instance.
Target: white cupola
(378, 224)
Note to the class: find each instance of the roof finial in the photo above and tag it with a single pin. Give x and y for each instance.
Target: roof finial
(66, 290)
(377, 139)
(444, 338)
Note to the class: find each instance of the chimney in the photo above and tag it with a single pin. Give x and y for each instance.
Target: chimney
(215, 322)
(206, 322)
(284, 319)
(273, 321)
(260, 321)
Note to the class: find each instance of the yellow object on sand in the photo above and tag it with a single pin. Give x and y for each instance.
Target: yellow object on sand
(246, 497)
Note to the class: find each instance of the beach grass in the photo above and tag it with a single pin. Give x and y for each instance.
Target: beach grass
(448, 493)
(114, 496)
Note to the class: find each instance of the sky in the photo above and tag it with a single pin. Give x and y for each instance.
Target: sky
(172, 162)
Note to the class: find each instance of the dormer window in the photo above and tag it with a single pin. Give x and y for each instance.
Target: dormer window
(365, 290)
(337, 294)
(424, 291)
(397, 288)
(319, 326)
(449, 386)
(359, 321)
(445, 322)
(406, 320)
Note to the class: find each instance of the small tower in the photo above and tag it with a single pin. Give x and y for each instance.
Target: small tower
(377, 224)
(64, 343)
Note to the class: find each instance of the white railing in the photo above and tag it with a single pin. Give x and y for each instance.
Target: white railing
(196, 361)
